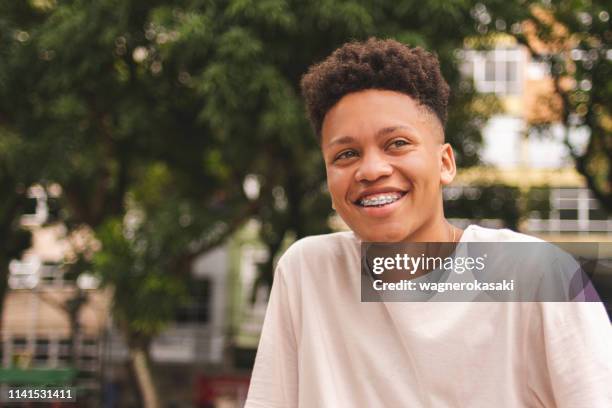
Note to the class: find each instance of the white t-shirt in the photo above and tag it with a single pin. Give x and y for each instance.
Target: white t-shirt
(322, 347)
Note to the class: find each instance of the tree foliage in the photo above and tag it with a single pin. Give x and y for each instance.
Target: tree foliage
(579, 38)
(574, 38)
(151, 114)
(14, 179)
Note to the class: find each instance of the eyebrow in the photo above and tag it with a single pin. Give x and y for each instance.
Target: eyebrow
(381, 132)
(391, 129)
(341, 140)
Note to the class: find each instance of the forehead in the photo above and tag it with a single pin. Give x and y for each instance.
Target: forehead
(364, 113)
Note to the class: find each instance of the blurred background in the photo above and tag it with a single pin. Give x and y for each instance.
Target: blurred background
(155, 161)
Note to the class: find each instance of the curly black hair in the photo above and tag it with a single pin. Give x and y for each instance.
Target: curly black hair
(374, 64)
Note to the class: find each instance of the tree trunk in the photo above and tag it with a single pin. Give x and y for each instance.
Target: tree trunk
(141, 369)
(4, 275)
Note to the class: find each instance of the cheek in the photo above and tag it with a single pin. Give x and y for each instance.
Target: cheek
(338, 183)
(419, 169)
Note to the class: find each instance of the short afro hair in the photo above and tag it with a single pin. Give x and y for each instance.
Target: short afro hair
(374, 64)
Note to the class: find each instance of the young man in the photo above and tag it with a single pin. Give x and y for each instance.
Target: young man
(379, 110)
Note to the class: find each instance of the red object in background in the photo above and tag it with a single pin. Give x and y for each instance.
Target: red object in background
(211, 387)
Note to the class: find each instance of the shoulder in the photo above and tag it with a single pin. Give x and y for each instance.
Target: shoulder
(475, 233)
(318, 248)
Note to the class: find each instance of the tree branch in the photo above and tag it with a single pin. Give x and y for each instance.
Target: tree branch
(183, 263)
(580, 160)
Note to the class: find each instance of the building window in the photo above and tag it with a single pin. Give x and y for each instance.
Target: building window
(51, 352)
(36, 211)
(88, 354)
(51, 274)
(495, 71)
(63, 352)
(31, 205)
(31, 273)
(597, 213)
(573, 210)
(20, 354)
(41, 352)
(20, 344)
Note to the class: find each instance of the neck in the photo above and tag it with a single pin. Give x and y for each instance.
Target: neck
(438, 230)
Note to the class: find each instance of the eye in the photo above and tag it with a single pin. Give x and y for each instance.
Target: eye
(396, 144)
(347, 154)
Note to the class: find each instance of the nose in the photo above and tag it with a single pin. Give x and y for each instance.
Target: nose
(372, 167)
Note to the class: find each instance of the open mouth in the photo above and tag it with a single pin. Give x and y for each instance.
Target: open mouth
(380, 200)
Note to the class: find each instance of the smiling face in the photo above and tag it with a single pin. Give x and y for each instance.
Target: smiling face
(386, 163)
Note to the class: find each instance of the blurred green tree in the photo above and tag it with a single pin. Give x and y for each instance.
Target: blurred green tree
(14, 180)
(578, 46)
(75, 88)
(160, 110)
(573, 38)
(249, 60)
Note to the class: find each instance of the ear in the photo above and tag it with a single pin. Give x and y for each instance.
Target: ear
(448, 168)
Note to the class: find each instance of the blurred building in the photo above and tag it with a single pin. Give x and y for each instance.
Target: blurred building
(550, 195)
(58, 329)
(51, 325)
(527, 182)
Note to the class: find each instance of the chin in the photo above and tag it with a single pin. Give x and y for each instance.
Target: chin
(383, 234)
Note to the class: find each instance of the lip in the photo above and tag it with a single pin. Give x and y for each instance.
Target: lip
(385, 210)
(380, 190)
(380, 212)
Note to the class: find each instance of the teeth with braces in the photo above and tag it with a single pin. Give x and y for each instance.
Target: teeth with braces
(380, 200)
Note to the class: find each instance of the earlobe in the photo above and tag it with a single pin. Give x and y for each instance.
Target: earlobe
(447, 178)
